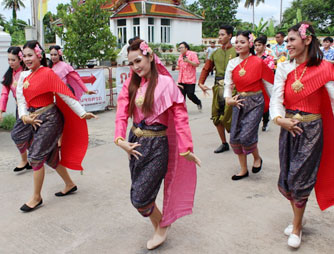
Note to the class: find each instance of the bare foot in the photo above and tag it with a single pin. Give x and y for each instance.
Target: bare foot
(68, 188)
(257, 163)
(33, 202)
(158, 238)
(22, 164)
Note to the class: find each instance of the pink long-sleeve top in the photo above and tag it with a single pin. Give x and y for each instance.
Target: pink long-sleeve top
(69, 76)
(167, 100)
(187, 73)
(5, 90)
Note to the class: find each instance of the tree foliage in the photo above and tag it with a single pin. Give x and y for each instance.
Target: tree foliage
(14, 5)
(319, 12)
(86, 32)
(216, 13)
(49, 30)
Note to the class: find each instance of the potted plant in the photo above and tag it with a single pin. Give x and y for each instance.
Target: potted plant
(164, 47)
(173, 59)
(170, 48)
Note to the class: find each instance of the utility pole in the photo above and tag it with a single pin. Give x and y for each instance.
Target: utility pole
(37, 25)
(281, 13)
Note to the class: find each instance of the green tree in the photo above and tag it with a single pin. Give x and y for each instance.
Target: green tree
(252, 3)
(49, 30)
(215, 13)
(2, 20)
(319, 12)
(86, 32)
(15, 5)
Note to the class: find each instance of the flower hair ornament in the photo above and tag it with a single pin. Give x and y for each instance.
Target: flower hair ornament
(60, 52)
(20, 55)
(38, 51)
(303, 31)
(145, 48)
(251, 40)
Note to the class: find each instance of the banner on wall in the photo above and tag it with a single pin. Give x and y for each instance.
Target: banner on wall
(122, 73)
(94, 80)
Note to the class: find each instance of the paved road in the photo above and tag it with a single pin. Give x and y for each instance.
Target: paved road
(247, 216)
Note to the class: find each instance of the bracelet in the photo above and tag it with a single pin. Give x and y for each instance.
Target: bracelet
(275, 119)
(118, 139)
(185, 154)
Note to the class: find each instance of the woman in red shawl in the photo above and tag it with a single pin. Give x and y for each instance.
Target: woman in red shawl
(253, 81)
(35, 96)
(302, 103)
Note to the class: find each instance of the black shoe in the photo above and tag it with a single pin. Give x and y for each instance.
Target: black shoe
(265, 127)
(222, 148)
(27, 166)
(26, 208)
(257, 169)
(199, 106)
(60, 194)
(236, 177)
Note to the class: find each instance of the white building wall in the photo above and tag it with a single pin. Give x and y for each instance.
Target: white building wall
(186, 30)
(144, 28)
(5, 40)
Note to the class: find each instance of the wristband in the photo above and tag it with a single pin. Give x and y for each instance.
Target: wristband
(118, 139)
(275, 119)
(185, 154)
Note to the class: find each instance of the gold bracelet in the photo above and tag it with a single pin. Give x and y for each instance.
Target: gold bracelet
(275, 119)
(185, 154)
(118, 139)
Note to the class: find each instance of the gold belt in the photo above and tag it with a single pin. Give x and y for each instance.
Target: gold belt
(42, 110)
(245, 94)
(304, 118)
(147, 133)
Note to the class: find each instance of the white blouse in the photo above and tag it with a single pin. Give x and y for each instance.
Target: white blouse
(228, 82)
(276, 101)
(22, 104)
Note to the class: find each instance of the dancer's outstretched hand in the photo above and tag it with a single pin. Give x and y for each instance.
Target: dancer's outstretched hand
(290, 125)
(31, 119)
(130, 148)
(192, 157)
(204, 88)
(88, 116)
(235, 101)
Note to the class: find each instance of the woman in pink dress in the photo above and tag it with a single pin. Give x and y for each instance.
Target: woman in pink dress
(160, 144)
(66, 73)
(9, 83)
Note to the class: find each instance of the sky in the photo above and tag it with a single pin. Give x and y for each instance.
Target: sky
(270, 9)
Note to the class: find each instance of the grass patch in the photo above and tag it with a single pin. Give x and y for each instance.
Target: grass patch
(8, 122)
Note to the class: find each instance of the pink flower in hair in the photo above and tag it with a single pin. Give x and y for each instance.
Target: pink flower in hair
(251, 40)
(20, 55)
(38, 51)
(60, 52)
(145, 48)
(303, 30)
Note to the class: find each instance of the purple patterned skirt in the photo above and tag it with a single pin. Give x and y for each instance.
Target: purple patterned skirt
(41, 143)
(148, 172)
(245, 124)
(299, 160)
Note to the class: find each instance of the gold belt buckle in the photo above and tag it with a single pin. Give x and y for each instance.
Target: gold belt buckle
(298, 117)
(243, 94)
(138, 132)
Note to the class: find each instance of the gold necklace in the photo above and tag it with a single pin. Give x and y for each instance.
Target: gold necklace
(139, 101)
(26, 83)
(298, 86)
(242, 71)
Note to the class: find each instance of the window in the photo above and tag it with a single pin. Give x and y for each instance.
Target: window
(121, 32)
(165, 30)
(151, 30)
(136, 27)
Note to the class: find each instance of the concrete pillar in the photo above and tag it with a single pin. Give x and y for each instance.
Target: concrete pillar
(5, 40)
(157, 26)
(144, 28)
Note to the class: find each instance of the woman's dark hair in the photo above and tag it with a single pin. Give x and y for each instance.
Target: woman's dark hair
(186, 45)
(247, 34)
(315, 54)
(56, 47)
(229, 29)
(261, 39)
(32, 45)
(148, 104)
(8, 77)
(329, 39)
